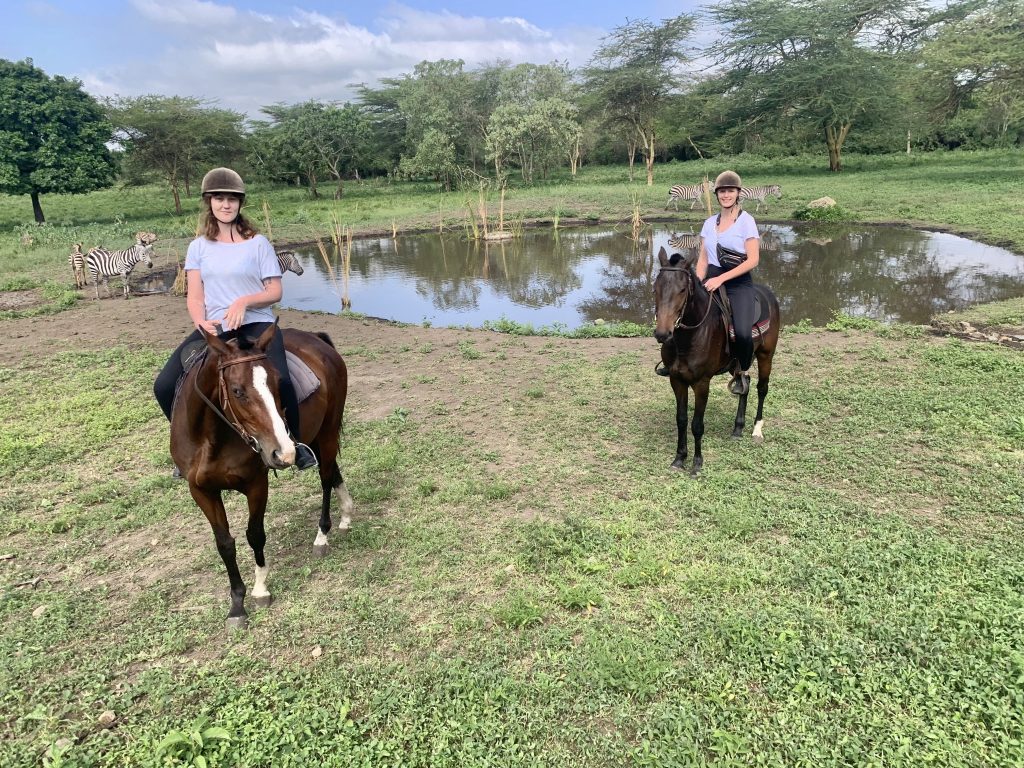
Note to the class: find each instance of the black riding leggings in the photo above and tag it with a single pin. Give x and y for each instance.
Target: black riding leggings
(167, 379)
(741, 298)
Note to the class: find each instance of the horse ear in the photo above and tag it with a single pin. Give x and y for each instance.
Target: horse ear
(214, 342)
(266, 337)
(662, 257)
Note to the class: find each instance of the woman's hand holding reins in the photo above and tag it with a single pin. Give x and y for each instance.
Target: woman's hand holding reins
(714, 283)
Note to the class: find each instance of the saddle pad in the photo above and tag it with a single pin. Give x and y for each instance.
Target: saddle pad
(303, 378)
(762, 311)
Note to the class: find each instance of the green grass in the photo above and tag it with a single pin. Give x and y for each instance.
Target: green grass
(539, 589)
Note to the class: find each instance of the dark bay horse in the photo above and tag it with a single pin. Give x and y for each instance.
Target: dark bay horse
(227, 431)
(690, 327)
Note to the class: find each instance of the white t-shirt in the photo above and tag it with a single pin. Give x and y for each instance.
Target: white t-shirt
(735, 237)
(230, 270)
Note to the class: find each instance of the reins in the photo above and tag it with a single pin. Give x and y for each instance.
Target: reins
(251, 441)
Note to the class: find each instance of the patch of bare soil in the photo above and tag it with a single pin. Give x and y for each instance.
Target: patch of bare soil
(19, 300)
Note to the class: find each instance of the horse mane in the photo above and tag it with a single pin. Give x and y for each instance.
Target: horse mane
(244, 342)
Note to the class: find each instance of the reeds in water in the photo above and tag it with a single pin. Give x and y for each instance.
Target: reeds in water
(341, 238)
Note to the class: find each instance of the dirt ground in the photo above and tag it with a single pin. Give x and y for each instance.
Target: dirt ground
(380, 379)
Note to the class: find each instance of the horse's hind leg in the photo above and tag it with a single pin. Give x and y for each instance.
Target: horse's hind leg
(764, 373)
(331, 481)
(256, 535)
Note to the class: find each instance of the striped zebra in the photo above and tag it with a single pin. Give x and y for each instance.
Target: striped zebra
(761, 194)
(76, 260)
(289, 262)
(685, 192)
(104, 264)
(145, 238)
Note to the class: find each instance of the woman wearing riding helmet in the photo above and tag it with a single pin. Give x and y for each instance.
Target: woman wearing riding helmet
(233, 279)
(729, 250)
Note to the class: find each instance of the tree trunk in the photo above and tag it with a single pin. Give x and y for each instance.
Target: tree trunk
(631, 153)
(37, 209)
(834, 138)
(177, 199)
(649, 152)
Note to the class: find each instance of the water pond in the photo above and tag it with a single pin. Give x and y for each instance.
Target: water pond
(576, 276)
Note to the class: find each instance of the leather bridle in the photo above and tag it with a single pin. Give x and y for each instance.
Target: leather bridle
(225, 402)
(679, 324)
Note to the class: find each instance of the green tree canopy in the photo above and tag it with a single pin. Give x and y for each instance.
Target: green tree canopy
(827, 64)
(176, 136)
(53, 135)
(632, 76)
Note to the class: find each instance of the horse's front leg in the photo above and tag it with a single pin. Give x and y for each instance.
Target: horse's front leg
(213, 507)
(741, 418)
(764, 372)
(256, 535)
(700, 403)
(681, 391)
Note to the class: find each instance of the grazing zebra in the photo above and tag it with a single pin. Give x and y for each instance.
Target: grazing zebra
(289, 261)
(103, 264)
(685, 192)
(76, 260)
(761, 194)
(145, 238)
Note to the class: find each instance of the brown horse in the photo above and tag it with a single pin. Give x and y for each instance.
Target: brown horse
(227, 429)
(692, 332)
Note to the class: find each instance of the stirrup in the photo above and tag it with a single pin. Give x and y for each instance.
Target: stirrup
(304, 457)
(740, 384)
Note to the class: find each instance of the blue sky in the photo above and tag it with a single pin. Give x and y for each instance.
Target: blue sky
(242, 54)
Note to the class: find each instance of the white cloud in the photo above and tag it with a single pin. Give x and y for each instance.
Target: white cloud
(245, 60)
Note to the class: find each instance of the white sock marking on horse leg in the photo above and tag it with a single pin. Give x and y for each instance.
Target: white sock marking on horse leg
(758, 425)
(259, 589)
(259, 382)
(345, 499)
(321, 539)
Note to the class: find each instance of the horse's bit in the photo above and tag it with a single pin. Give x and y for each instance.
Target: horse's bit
(222, 389)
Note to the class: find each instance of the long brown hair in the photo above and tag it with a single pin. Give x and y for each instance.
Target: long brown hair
(210, 227)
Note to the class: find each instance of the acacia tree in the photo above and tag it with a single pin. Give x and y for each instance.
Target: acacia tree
(53, 135)
(824, 63)
(632, 75)
(175, 136)
(974, 68)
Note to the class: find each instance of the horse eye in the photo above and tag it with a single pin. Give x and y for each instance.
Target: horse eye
(238, 391)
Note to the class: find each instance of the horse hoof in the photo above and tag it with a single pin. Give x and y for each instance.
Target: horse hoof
(736, 436)
(237, 622)
(263, 601)
(758, 439)
(320, 550)
(678, 466)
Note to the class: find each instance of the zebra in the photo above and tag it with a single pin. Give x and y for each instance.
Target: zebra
(761, 194)
(685, 192)
(145, 238)
(76, 260)
(289, 261)
(103, 264)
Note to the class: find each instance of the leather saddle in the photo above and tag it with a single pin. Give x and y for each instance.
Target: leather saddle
(303, 379)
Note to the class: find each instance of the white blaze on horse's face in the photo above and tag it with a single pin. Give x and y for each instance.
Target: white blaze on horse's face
(286, 448)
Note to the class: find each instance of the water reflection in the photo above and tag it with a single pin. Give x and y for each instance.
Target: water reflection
(573, 277)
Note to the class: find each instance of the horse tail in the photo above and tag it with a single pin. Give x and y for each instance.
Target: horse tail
(326, 338)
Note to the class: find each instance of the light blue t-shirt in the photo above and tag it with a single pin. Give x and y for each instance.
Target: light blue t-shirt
(230, 270)
(735, 237)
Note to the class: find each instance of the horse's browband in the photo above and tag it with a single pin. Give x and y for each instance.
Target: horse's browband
(246, 359)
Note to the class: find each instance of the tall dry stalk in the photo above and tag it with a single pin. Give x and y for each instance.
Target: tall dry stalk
(483, 209)
(180, 285)
(636, 220)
